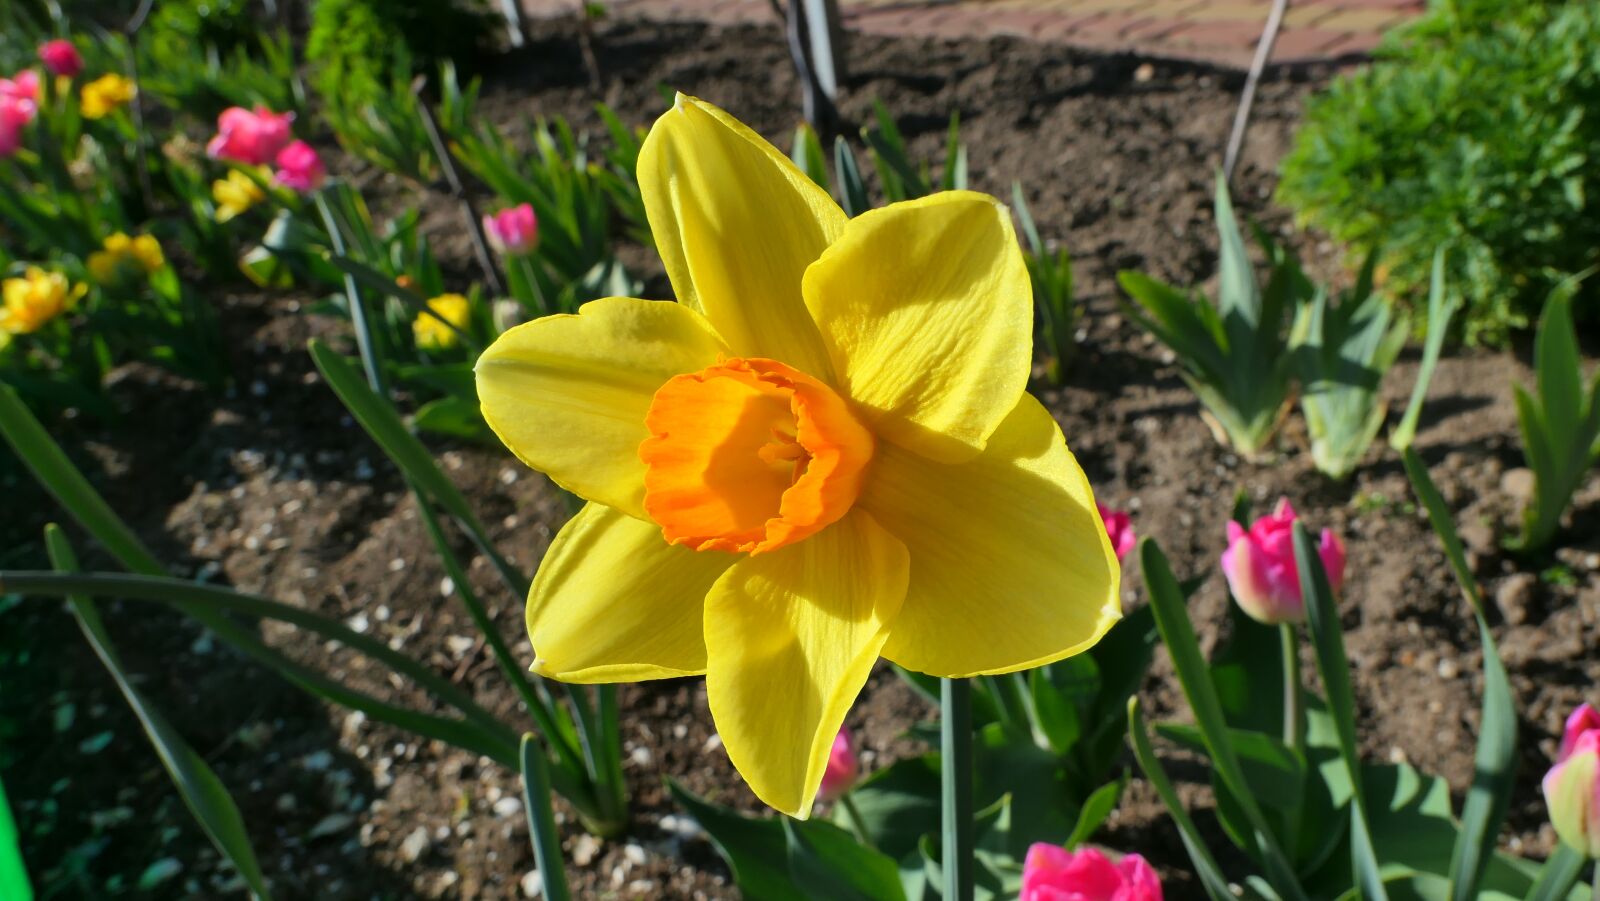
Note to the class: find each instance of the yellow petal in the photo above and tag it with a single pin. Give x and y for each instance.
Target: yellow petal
(1010, 565)
(613, 602)
(568, 394)
(737, 224)
(790, 638)
(927, 313)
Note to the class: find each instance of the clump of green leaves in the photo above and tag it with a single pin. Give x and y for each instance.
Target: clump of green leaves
(1474, 130)
(1234, 354)
(1560, 425)
(1342, 350)
(1053, 301)
(356, 45)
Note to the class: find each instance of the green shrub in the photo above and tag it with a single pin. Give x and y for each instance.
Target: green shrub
(356, 46)
(1478, 129)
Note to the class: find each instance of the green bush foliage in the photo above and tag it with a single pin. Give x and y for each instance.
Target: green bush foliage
(355, 46)
(1478, 129)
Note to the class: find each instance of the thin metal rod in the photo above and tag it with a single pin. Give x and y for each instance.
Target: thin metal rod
(1247, 100)
(480, 245)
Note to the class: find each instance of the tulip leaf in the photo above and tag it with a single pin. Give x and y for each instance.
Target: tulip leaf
(1440, 309)
(13, 873)
(541, 820)
(829, 863)
(852, 191)
(1056, 716)
(899, 804)
(1096, 808)
(1558, 875)
(204, 794)
(1205, 866)
(1334, 667)
(757, 850)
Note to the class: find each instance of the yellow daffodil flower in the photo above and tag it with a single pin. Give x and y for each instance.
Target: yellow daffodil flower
(102, 97)
(235, 194)
(35, 299)
(430, 333)
(124, 259)
(822, 454)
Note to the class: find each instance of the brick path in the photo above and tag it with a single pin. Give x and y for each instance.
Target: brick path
(1217, 31)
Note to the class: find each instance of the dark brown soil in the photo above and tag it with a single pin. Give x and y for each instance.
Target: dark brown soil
(273, 489)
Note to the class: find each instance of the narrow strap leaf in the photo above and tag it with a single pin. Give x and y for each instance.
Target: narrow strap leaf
(542, 821)
(1205, 865)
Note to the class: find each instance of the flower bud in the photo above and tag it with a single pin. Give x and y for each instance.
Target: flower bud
(512, 230)
(1572, 787)
(1052, 873)
(843, 768)
(1261, 571)
(1119, 527)
(299, 168)
(252, 137)
(61, 58)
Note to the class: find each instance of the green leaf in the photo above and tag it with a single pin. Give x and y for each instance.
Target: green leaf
(207, 798)
(13, 873)
(1440, 309)
(757, 850)
(1099, 805)
(852, 191)
(1237, 291)
(1056, 716)
(900, 804)
(541, 820)
(829, 863)
(1334, 667)
(453, 416)
(807, 154)
(1558, 875)
(1556, 363)
(1205, 866)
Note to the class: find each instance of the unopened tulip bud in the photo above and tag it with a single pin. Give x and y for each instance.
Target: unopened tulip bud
(299, 168)
(1119, 528)
(1261, 571)
(1052, 873)
(843, 768)
(61, 58)
(513, 230)
(1572, 787)
(252, 137)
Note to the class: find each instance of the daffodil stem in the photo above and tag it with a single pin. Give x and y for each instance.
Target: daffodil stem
(1294, 716)
(955, 747)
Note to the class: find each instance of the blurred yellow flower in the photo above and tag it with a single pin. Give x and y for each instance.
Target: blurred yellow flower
(431, 334)
(105, 94)
(126, 258)
(35, 299)
(235, 194)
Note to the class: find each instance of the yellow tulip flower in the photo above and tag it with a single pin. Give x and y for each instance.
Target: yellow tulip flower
(102, 97)
(123, 258)
(35, 299)
(822, 454)
(235, 194)
(430, 333)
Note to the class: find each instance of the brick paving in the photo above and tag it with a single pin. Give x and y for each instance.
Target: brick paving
(1222, 32)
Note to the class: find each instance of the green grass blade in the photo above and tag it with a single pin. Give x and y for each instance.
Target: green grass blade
(1495, 761)
(1440, 309)
(207, 798)
(1172, 619)
(852, 191)
(1334, 667)
(49, 464)
(13, 874)
(541, 820)
(1205, 866)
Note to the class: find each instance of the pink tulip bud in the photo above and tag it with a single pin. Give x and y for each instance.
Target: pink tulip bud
(253, 137)
(1119, 527)
(1572, 787)
(61, 58)
(843, 768)
(299, 168)
(1052, 873)
(513, 230)
(15, 114)
(1260, 568)
(23, 86)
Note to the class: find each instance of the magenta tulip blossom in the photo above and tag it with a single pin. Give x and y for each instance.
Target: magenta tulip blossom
(1119, 527)
(253, 137)
(1572, 787)
(15, 114)
(22, 87)
(513, 230)
(299, 168)
(61, 58)
(1260, 568)
(1052, 873)
(843, 768)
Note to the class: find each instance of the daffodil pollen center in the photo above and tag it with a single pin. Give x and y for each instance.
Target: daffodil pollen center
(750, 455)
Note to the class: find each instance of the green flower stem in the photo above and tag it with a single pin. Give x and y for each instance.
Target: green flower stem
(1294, 708)
(858, 824)
(955, 769)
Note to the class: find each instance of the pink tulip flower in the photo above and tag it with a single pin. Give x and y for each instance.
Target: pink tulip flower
(253, 137)
(1260, 568)
(61, 58)
(1572, 787)
(513, 230)
(23, 86)
(1119, 526)
(15, 114)
(299, 168)
(1052, 873)
(843, 768)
